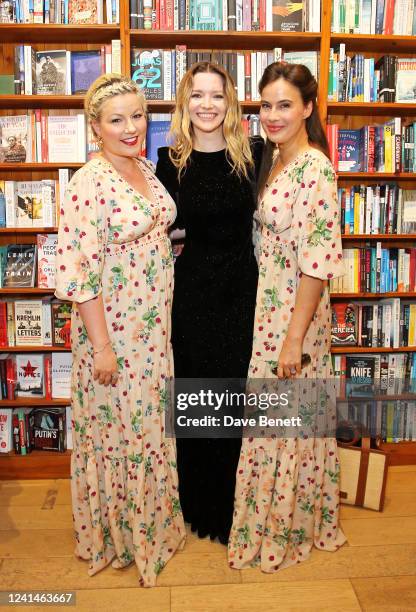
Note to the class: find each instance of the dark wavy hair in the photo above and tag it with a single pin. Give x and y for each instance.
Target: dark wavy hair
(300, 77)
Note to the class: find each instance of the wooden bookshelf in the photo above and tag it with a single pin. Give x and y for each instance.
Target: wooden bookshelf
(28, 230)
(376, 43)
(378, 237)
(26, 290)
(372, 296)
(376, 176)
(34, 349)
(37, 167)
(28, 401)
(74, 101)
(378, 109)
(29, 33)
(37, 464)
(343, 350)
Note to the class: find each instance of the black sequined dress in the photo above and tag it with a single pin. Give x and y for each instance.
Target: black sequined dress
(212, 318)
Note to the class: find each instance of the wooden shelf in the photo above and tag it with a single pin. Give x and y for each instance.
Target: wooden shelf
(28, 230)
(375, 42)
(28, 401)
(376, 176)
(371, 349)
(371, 108)
(50, 33)
(37, 167)
(34, 349)
(27, 290)
(37, 464)
(407, 397)
(200, 39)
(73, 101)
(372, 296)
(166, 106)
(379, 237)
(400, 453)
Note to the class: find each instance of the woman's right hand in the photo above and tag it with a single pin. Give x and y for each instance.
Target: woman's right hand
(105, 366)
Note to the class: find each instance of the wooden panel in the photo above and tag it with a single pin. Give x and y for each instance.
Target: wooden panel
(347, 562)
(289, 41)
(323, 595)
(73, 101)
(380, 531)
(24, 33)
(395, 109)
(38, 464)
(376, 43)
(396, 594)
(399, 504)
(35, 517)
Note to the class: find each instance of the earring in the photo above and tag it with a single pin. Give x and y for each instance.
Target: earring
(100, 142)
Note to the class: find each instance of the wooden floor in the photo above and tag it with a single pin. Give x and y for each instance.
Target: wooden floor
(376, 570)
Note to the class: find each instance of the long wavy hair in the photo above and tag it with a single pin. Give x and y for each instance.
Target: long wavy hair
(181, 131)
(300, 77)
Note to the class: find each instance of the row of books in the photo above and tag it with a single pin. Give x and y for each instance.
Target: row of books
(158, 72)
(388, 323)
(25, 429)
(373, 269)
(224, 15)
(377, 209)
(374, 17)
(365, 79)
(59, 11)
(57, 72)
(30, 203)
(372, 148)
(392, 421)
(20, 266)
(375, 375)
(35, 375)
(45, 322)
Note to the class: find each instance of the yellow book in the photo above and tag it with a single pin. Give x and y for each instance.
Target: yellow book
(412, 325)
(388, 161)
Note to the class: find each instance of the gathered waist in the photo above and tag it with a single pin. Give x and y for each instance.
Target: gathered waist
(151, 239)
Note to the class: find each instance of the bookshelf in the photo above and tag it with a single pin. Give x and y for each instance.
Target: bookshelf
(347, 114)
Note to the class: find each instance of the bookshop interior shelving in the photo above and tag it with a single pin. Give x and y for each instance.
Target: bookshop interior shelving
(347, 114)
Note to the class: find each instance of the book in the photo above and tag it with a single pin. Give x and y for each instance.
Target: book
(28, 322)
(61, 375)
(29, 375)
(65, 138)
(147, 72)
(344, 324)
(22, 420)
(6, 430)
(349, 150)
(52, 73)
(29, 203)
(47, 244)
(287, 16)
(156, 137)
(61, 324)
(86, 66)
(406, 79)
(15, 139)
(48, 429)
(85, 11)
(359, 374)
(20, 267)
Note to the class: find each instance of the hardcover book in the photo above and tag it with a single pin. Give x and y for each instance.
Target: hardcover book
(28, 322)
(20, 268)
(6, 431)
(29, 203)
(360, 372)
(48, 429)
(61, 375)
(406, 79)
(86, 66)
(15, 139)
(344, 324)
(29, 375)
(287, 16)
(47, 244)
(147, 72)
(61, 324)
(52, 72)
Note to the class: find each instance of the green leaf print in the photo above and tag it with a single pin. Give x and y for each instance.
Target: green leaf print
(136, 458)
(271, 299)
(307, 507)
(251, 501)
(127, 557)
(148, 466)
(136, 421)
(321, 232)
(118, 279)
(243, 535)
(159, 565)
(176, 506)
(105, 414)
(298, 171)
(334, 476)
(326, 516)
(92, 283)
(280, 260)
(283, 539)
(328, 174)
(151, 272)
(143, 206)
(150, 531)
(299, 536)
(123, 524)
(107, 537)
(114, 229)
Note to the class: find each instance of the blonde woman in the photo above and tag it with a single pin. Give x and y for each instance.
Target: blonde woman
(209, 171)
(114, 263)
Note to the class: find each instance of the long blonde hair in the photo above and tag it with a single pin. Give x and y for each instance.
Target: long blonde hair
(181, 131)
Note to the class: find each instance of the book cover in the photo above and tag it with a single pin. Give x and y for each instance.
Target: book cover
(28, 322)
(20, 268)
(6, 11)
(344, 324)
(6, 430)
(287, 16)
(47, 244)
(406, 79)
(29, 375)
(48, 429)
(156, 137)
(147, 72)
(85, 11)
(14, 135)
(62, 138)
(360, 376)
(22, 421)
(307, 58)
(51, 72)
(29, 203)
(61, 324)
(86, 66)
(61, 375)
(349, 151)
(206, 15)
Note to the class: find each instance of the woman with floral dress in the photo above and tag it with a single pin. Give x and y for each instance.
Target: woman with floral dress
(114, 263)
(287, 492)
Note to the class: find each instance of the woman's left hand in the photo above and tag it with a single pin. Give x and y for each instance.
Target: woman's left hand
(289, 362)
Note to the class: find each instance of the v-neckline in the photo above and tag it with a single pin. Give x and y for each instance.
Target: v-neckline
(142, 166)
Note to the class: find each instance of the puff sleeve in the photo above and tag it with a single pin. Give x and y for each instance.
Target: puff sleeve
(80, 252)
(316, 221)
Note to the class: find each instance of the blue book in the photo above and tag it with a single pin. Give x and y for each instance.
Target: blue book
(86, 66)
(349, 151)
(2, 205)
(157, 132)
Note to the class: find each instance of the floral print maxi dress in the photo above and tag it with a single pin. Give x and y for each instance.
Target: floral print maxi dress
(287, 492)
(114, 241)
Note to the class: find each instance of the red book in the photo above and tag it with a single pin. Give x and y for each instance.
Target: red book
(388, 17)
(48, 376)
(3, 324)
(262, 14)
(44, 136)
(169, 14)
(162, 14)
(412, 270)
(247, 75)
(11, 378)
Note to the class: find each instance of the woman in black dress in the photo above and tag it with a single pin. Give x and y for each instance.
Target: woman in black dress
(210, 172)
